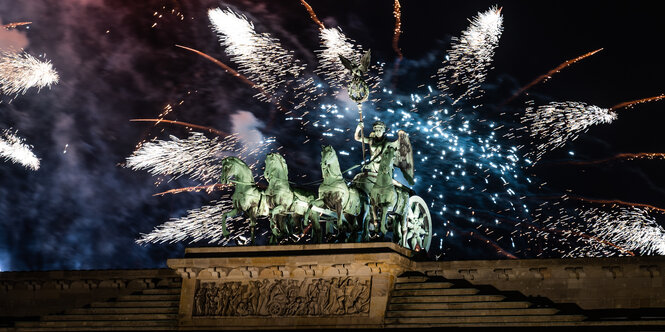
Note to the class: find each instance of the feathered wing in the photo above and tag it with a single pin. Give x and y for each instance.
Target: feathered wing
(404, 156)
(346, 62)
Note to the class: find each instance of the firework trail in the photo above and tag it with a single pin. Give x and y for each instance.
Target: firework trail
(397, 14)
(312, 14)
(470, 56)
(21, 71)
(14, 25)
(615, 202)
(196, 156)
(259, 56)
(199, 224)
(209, 188)
(635, 102)
(549, 74)
(222, 65)
(185, 124)
(559, 122)
(626, 156)
(14, 149)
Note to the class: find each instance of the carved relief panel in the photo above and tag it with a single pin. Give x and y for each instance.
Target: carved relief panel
(335, 296)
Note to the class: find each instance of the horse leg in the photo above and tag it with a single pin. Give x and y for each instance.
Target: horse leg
(231, 213)
(365, 222)
(384, 214)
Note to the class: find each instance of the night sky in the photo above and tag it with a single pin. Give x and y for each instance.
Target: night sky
(83, 210)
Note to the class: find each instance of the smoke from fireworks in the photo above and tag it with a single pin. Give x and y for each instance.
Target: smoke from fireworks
(559, 122)
(259, 56)
(21, 71)
(470, 56)
(14, 149)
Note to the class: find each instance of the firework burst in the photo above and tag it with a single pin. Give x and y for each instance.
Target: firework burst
(14, 149)
(21, 71)
(559, 122)
(196, 156)
(470, 56)
(258, 55)
(199, 224)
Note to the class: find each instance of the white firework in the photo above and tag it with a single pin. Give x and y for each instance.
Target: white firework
(14, 149)
(470, 56)
(199, 224)
(631, 228)
(21, 71)
(259, 56)
(559, 122)
(197, 156)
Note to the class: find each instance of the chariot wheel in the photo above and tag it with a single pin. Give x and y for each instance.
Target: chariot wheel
(417, 225)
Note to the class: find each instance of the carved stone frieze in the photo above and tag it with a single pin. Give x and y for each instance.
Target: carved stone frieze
(335, 296)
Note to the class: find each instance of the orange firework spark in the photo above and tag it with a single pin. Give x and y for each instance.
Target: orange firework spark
(312, 14)
(616, 202)
(208, 188)
(549, 74)
(14, 25)
(397, 13)
(628, 156)
(186, 124)
(228, 69)
(635, 102)
(221, 64)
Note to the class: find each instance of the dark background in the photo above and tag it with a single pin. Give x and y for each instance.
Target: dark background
(82, 210)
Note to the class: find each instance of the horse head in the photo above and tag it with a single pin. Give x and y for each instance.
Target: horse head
(234, 169)
(275, 167)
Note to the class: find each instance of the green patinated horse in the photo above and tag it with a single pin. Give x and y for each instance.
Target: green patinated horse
(282, 199)
(335, 195)
(247, 197)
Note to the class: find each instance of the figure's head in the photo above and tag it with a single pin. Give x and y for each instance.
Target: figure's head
(378, 129)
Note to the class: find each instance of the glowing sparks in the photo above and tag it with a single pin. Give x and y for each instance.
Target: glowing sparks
(549, 74)
(21, 71)
(197, 156)
(397, 14)
(209, 188)
(334, 43)
(199, 224)
(185, 124)
(220, 64)
(625, 156)
(635, 102)
(629, 227)
(312, 14)
(616, 202)
(259, 56)
(14, 25)
(14, 149)
(557, 123)
(470, 56)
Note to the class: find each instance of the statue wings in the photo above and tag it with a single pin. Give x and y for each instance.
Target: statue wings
(404, 156)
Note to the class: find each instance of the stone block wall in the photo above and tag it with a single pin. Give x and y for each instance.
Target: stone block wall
(591, 283)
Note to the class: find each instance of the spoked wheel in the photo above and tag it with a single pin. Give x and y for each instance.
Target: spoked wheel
(418, 227)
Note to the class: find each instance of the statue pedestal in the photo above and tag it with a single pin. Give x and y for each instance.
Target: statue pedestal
(293, 286)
